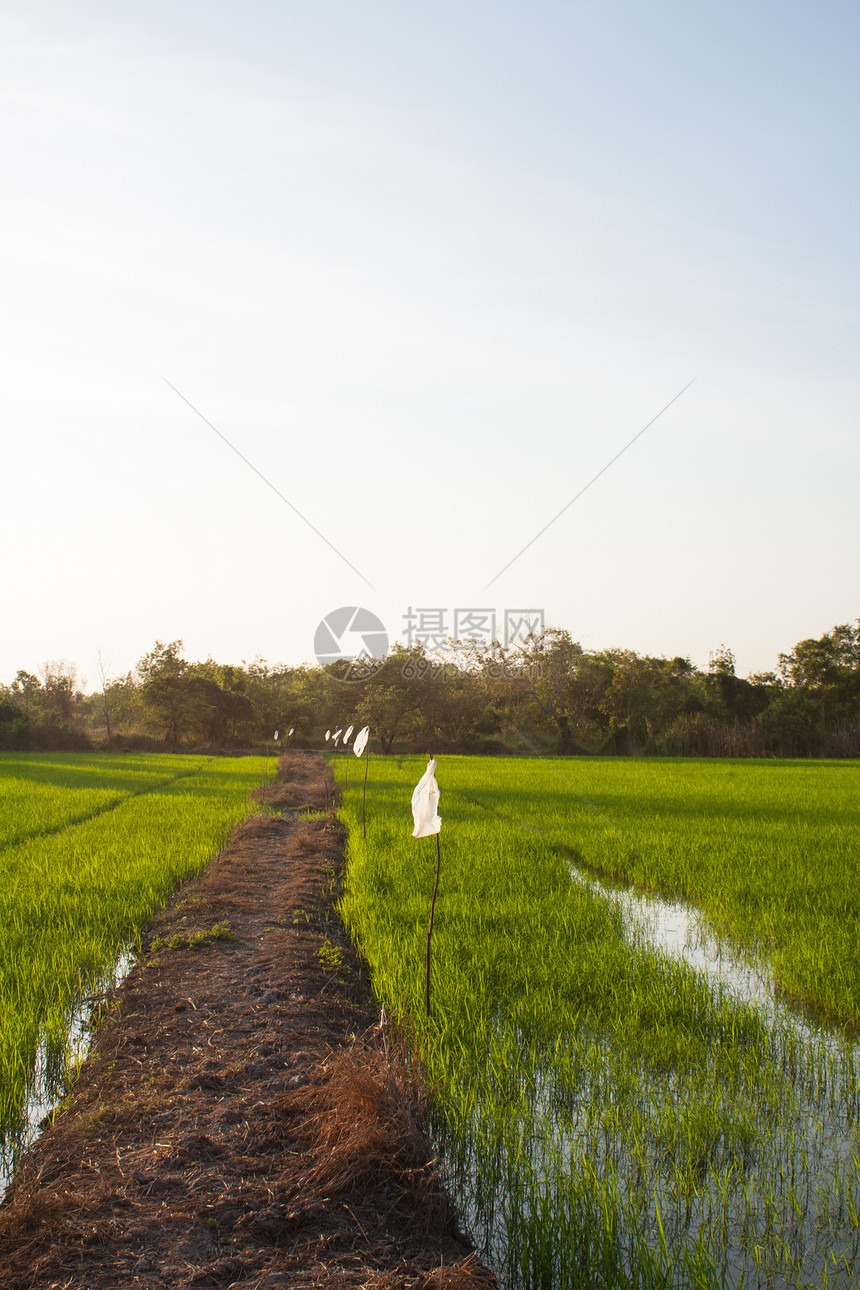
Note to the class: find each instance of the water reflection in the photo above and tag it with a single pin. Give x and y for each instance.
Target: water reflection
(52, 1066)
(683, 932)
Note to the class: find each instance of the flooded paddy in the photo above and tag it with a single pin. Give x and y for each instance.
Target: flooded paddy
(624, 1097)
(53, 1068)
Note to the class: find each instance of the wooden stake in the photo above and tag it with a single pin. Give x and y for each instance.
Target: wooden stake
(430, 929)
(364, 791)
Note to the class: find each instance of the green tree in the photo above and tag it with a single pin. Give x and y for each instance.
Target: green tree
(820, 686)
(14, 725)
(566, 684)
(167, 702)
(395, 698)
(27, 693)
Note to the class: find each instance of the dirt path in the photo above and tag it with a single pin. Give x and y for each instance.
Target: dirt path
(238, 1122)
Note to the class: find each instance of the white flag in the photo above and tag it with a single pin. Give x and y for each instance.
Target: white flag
(292, 730)
(328, 734)
(425, 801)
(276, 734)
(361, 740)
(346, 734)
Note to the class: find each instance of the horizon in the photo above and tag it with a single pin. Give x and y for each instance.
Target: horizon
(84, 684)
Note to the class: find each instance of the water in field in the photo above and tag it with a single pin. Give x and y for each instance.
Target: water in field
(803, 1229)
(752, 1186)
(681, 931)
(624, 1100)
(51, 1068)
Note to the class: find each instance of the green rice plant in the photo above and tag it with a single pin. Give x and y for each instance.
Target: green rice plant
(43, 792)
(74, 897)
(769, 851)
(193, 940)
(606, 1115)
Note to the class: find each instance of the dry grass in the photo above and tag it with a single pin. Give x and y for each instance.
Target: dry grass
(464, 1274)
(299, 785)
(256, 828)
(363, 1123)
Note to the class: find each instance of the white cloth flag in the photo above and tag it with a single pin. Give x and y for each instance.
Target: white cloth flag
(425, 801)
(347, 733)
(360, 742)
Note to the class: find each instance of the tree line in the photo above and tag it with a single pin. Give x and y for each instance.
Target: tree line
(549, 694)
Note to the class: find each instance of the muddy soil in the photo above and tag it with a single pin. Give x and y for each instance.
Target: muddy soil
(241, 1119)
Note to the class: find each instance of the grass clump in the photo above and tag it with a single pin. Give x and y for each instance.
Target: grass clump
(330, 956)
(194, 940)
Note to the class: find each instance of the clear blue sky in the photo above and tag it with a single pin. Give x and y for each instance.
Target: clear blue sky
(429, 267)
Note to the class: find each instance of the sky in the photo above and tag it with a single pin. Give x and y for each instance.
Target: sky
(310, 306)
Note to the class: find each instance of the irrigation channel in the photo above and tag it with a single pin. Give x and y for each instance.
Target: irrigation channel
(824, 1060)
(54, 1068)
(775, 1201)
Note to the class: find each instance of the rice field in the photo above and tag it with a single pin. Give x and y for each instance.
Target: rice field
(90, 846)
(608, 1114)
(769, 851)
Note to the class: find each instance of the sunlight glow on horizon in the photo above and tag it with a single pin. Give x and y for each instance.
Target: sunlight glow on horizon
(438, 289)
